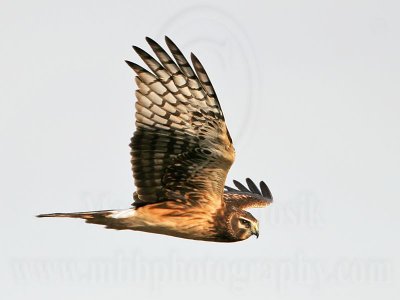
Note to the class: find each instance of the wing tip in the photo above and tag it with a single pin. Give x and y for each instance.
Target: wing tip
(168, 40)
(153, 44)
(194, 58)
(137, 49)
(266, 192)
(263, 190)
(132, 65)
(135, 67)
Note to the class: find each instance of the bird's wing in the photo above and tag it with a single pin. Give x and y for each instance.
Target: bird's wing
(181, 149)
(250, 196)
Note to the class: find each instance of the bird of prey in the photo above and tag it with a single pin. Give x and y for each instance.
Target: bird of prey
(181, 153)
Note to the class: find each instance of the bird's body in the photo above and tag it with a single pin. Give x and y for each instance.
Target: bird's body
(181, 154)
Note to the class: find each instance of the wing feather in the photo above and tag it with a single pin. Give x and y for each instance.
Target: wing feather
(252, 196)
(252, 186)
(241, 187)
(181, 149)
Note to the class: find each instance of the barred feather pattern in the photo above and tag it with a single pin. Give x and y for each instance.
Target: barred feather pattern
(181, 149)
(248, 197)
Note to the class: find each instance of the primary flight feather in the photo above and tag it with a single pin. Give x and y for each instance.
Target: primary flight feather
(181, 153)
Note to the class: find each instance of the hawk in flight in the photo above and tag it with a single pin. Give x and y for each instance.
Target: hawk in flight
(181, 154)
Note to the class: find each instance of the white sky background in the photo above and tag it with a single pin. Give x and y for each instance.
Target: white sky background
(310, 90)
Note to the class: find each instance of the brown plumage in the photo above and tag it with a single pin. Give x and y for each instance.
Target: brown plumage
(181, 153)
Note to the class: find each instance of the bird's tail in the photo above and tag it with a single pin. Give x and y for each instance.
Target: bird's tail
(115, 219)
(80, 215)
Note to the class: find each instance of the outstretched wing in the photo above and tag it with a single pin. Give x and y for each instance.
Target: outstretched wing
(181, 149)
(250, 196)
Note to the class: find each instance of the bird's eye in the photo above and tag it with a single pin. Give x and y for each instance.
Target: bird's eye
(245, 223)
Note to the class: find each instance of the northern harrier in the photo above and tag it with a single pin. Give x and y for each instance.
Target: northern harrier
(181, 154)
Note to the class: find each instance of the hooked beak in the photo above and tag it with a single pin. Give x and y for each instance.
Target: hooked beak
(254, 230)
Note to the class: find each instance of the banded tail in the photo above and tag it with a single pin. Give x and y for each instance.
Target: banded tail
(114, 219)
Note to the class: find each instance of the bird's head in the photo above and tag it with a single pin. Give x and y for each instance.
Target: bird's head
(243, 225)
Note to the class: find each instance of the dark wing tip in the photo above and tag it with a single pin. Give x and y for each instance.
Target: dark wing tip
(137, 49)
(241, 187)
(172, 46)
(194, 59)
(252, 186)
(143, 54)
(230, 189)
(131, 64)
(135, 67)
(265, 191)
(153, 44)
(149, 40)
(168, 40)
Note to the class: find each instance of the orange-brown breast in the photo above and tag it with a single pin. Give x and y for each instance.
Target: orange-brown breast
(176, 219)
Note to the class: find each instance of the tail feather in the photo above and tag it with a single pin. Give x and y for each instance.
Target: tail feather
(114, 219)
(80, 215)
